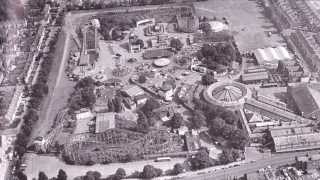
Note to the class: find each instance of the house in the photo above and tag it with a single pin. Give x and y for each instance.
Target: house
(308, 163)
(132, 91)
(135, 44)
(294, 138)
(255, 77)
(290, 71)
(157, 53)
(83, 114)
(141, 99)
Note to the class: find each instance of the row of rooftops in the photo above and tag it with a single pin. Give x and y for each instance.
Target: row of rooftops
(289, 12)
(294, 138)
(298, 14)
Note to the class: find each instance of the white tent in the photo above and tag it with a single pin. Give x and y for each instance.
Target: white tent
(271, 56)
(218, 26)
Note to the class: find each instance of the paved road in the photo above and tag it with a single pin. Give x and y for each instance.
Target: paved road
(275, 160)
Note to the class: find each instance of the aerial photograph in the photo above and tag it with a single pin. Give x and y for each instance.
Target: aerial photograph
(160, 89)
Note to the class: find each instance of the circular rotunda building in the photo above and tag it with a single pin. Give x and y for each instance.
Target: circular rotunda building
(227, 94)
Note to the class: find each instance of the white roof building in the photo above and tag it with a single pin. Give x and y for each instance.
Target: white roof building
(84, 115)
(270, 57)
(218, 26)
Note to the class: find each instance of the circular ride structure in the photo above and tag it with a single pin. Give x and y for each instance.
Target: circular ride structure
(161, 62)
(227, 94)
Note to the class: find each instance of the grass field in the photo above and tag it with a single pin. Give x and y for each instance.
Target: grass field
(247, 22)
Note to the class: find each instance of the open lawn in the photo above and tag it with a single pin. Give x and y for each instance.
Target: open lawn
(247, 22)
(37, 163)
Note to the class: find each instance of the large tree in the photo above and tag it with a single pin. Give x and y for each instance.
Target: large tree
(150, 105)
(201, 160)
(216, 126)
(21, 176)
(198, 119)
(38, 90)
(42, 176)
(176, 120)
(239, 139)
(150, 172)
(177, 169)
(62, 175)
(206, 28)
(176, 44)
(228, 156)
(229, 117)
(208, 79)
(84, 83)
(120, 173)
(142, 122)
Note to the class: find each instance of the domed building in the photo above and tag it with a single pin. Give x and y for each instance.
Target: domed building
(227, 94)
(161, 62)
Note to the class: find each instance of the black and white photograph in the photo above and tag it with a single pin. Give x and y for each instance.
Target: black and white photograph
(159, 89)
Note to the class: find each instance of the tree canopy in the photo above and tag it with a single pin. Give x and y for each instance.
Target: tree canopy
(62, 175)
(176, 44)
(83, 96)
(120, 173)
(208, 79)
(176, 120)
(218, 56)
(206, 27)
(150, 172)
(201, 160)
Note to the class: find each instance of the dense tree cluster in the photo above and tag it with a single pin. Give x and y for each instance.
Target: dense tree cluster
(146, 116)
(223, 123)
(206, 28)
(228, 156)
(150, 172)
(62, 175)
(176, 44)
(83, 95)
(111, 28)
(36, 92)
(208, 79)
(176, 121)
(201, 160)
(89, 4)
(198, 119)
(218, 56)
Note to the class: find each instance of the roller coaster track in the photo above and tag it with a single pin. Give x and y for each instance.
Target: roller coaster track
(125, 142)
